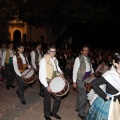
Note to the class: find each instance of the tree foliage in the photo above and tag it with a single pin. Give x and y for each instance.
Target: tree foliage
(52, 12)
(57, 14)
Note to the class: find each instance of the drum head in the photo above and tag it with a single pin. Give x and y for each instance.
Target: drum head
(57, 84)
(29, 73)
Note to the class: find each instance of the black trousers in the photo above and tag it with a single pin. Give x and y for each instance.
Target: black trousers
(41, 92)
(41, 89)
(9, 74)
(22, 86)
(47, 103)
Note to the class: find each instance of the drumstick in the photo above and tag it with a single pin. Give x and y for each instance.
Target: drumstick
(54, 96)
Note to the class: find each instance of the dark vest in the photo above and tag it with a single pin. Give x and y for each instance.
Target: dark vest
(36, 57)
(82, 68)
(21, 66)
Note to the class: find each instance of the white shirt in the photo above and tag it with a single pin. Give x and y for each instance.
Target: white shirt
(76, 67)
(4, 56)
(113, 78)
(15, 65)
(0, 57)
(32, 54)
(42, 70)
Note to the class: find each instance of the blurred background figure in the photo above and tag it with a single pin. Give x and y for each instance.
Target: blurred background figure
(102, 68)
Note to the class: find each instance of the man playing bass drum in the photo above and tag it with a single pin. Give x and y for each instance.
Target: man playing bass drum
(47, 71)
(20, 64)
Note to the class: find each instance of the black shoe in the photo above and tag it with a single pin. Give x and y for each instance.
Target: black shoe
(76, 110)
(48, 118)
(30, 85)
(12, 86)
(55, 115)
(82, 117)
(41, 94)
(23, 102)
(17, 94)
(7, 86)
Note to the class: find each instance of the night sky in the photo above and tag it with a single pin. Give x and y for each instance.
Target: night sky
(105, 34)
(88, 21)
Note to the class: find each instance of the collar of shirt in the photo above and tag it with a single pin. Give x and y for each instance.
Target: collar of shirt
(38, 51)
(53, 63)
(23, 58)
(11, 53)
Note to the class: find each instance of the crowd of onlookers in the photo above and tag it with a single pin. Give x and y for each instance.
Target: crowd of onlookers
(101, 58)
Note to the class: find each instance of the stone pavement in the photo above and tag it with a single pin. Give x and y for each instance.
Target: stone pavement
(11, 107)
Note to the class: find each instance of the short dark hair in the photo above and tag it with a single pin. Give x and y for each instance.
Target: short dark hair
(20, 45)
(116, 58)
(50, 46)
(10, 43)
(37, 44)
(85, 46)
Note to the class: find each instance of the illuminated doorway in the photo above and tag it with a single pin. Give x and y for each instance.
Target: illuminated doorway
(17, 36)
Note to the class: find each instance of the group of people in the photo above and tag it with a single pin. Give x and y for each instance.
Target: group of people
(105, 105)
(14, 63)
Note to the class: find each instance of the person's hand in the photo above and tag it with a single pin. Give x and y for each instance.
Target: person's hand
(23, 76)
(48, 89)
(61, 75)
(108, 98)
(74, 86)
(36, 69)
(92, 76)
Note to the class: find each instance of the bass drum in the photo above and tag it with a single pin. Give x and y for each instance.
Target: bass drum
(59, 86)
(30, 77)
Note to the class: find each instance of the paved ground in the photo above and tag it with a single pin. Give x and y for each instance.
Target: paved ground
(12, 109)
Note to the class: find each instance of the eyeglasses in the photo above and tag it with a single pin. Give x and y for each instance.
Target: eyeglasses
(53, 51)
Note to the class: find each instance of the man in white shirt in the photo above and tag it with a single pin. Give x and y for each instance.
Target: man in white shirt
(7, 64)
(2, 49)
(0, 58)
(82, 71)
(36, 56)
(20, 63)
(47, 71)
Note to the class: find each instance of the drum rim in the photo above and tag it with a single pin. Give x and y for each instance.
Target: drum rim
(55, 93)
(53, 79)
(35, 78)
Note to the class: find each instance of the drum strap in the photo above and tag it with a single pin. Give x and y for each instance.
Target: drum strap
(27, 72)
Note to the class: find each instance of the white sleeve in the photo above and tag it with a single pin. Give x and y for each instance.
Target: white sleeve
(42, 72)
(75, 68)
(0, 58)
(3, 58)
(92, 69)
(58, 68)
(0, 54)
(33, 59)
(15, 65)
